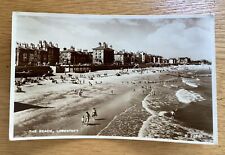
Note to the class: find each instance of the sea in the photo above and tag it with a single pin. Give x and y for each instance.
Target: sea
(172, 108)
(186, 115)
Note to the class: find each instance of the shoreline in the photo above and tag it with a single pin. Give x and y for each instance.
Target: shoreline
(159, 114)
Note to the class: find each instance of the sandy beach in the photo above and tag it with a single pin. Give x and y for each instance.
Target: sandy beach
(137, 103)
(64, 108)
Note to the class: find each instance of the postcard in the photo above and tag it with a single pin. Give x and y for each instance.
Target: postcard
(136, 77)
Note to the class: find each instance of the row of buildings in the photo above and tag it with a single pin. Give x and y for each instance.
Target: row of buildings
(45, 53)
(42, 54)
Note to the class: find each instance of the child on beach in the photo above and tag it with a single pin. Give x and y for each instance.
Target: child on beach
(80, 92)
(87, 118)
(111, 91)
(83, 120)
(90, 83)
(153, 93)
(94, 113)
(19, 89)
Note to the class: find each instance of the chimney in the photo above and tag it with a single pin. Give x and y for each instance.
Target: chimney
(50, 44)
(104, 44)
(32, 45)
(100, 44)
(41, 45)
(45, 43)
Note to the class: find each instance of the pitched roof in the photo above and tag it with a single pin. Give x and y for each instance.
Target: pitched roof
(71, 51)
(119, 53)
(183, 58)
(101, 48)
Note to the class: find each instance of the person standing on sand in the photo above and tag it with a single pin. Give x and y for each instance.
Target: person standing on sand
(94, 113)
(143, 91)
(90, 84)
(19, 89)
(153, 93)
(111, 91)
(87, 118)
(83, 120)
(80, 92)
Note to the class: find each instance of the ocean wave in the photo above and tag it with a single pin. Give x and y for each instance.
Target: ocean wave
(145, 105)
(185, 96)
(174, 86)
(162, 113)
(167, 128)
(190, 82)
(159, 125)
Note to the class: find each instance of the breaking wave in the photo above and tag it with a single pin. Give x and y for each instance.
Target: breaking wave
(185, 96)
(191, 82)
(158, 125)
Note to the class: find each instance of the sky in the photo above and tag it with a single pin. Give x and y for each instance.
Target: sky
(166, 36)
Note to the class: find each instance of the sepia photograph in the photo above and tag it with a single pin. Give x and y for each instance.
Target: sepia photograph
(136, 77)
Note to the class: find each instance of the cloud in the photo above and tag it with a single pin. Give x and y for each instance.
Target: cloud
(177, 39)
(169, 37)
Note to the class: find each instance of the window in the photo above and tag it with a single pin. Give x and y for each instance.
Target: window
(31, 57)
(24, 56)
